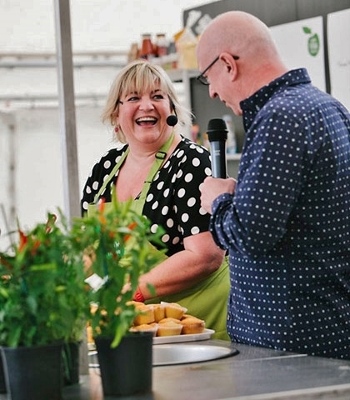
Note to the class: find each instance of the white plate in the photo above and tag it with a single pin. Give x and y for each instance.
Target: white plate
(206, 334)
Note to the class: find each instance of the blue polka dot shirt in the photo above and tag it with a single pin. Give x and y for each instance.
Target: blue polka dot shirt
(287, 226)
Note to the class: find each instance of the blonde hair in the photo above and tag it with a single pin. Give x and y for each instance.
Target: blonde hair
(140, 76)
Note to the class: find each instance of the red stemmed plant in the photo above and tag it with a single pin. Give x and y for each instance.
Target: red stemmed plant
(118, 244)
(42, 292)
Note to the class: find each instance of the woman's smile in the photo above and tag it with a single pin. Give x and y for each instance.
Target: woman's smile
(145, 121)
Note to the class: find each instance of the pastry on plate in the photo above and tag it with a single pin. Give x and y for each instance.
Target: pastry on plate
(169, 328)
(159, 311)
(192, 325)
(174, 310)
(146, 315)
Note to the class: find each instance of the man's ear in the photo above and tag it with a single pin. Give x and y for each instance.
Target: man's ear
(230, 64)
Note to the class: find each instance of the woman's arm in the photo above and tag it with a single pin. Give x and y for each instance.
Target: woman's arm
(182, 270)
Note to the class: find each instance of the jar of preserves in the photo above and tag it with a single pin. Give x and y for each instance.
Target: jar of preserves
(161, 45)
(146, 51)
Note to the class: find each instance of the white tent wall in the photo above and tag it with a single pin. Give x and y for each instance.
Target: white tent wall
(38, 160)
(28, 25)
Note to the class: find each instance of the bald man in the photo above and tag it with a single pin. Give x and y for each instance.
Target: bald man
(286, 220)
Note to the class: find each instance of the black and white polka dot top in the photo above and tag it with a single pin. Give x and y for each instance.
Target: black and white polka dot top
(173, 199)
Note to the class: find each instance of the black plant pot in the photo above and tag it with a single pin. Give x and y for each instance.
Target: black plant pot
(70, 356)
(2, 378)
(33, 373)
(126, 369)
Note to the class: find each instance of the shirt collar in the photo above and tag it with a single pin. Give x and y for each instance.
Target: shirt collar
(256, 101)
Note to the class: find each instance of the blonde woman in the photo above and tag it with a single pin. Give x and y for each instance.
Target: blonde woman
(160, 170)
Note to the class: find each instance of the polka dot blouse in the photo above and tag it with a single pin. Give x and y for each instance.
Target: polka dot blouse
(173, 200)
(287, 227)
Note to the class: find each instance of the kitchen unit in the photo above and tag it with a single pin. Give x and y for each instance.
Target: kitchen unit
(252, 374)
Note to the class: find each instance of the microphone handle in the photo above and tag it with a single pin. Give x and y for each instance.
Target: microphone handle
(218, 159)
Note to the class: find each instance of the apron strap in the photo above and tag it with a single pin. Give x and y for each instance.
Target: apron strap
(160, 156)
(111, 175)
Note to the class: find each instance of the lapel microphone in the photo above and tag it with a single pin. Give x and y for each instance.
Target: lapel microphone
(172, 120)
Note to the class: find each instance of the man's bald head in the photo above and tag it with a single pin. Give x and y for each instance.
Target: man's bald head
(247, 57)
(239, 33)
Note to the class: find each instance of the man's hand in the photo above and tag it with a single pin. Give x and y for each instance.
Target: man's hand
(211, 188)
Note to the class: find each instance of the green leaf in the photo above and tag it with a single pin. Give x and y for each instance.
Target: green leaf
(307, 30)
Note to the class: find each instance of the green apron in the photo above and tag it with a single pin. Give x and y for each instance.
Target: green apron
(207, 299)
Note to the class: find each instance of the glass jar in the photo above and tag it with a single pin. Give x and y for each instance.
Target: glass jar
(146, 51)
(161, 45)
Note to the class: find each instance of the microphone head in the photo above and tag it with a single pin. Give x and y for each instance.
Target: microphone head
(217, 129)
(172, 120)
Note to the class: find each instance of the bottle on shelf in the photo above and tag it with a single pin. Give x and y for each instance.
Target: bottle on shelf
(161, 45)
(147, 48)
(134, 52)
(172, 55)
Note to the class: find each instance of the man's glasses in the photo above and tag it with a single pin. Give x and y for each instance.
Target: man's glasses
(202, 78)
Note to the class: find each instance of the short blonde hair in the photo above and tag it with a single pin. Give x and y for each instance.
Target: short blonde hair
(140, 76)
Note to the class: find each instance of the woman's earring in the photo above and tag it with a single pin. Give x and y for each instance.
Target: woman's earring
(116, 129)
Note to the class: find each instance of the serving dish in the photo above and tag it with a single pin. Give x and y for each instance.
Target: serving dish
(206, 334)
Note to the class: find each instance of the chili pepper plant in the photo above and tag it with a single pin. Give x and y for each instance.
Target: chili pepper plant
(43, 299)
(118, 246)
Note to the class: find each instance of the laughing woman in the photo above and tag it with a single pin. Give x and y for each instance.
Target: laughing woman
(161, 170)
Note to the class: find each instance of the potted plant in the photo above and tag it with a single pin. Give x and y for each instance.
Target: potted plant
(119, 244)
(43, 304)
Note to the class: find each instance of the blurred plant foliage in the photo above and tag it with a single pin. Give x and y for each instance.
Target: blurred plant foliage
(43, 298)
(118, 246)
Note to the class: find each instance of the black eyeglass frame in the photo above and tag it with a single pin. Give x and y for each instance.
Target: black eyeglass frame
(202, 78)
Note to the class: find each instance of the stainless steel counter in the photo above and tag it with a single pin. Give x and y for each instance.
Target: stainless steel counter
(253, 374)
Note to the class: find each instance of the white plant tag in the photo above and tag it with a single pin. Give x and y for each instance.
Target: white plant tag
(95, 281)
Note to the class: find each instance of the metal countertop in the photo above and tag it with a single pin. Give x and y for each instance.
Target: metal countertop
(253, 374)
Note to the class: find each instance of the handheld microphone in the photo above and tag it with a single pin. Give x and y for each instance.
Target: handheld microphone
(172, 120)
(217, 135)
